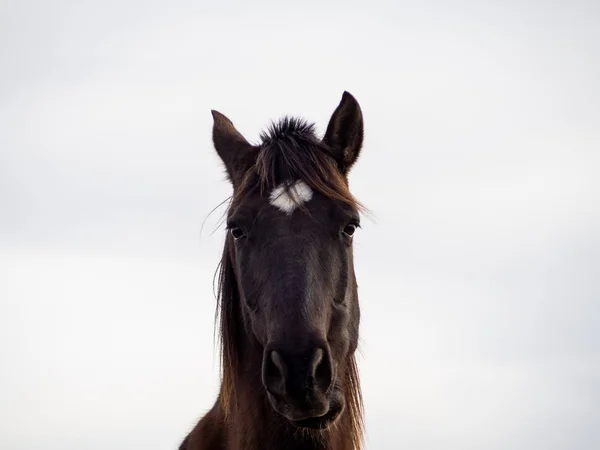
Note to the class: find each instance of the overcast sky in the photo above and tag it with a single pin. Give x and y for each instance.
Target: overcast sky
(479, 271)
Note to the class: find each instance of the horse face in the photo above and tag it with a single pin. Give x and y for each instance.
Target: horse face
(292, 255)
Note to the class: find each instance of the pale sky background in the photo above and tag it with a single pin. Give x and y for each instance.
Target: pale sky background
(479, 273)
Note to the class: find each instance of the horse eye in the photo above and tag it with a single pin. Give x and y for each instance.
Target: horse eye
(350, 229)
(237, 233)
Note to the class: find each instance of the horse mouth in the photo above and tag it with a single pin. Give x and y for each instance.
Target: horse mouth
(321, 422)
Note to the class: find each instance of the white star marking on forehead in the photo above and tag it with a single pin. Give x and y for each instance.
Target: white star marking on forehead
(288, 200)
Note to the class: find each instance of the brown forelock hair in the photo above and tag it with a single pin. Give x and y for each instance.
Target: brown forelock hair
(290, 150)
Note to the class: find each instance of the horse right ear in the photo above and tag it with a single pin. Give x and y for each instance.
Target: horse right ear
(234, 150)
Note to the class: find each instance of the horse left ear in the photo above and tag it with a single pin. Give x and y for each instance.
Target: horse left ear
(345, 131)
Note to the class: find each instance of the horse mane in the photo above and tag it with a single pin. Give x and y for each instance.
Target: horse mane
(289, 150)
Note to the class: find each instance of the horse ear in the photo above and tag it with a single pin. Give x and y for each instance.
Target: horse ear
(233, 149)
(345, 131)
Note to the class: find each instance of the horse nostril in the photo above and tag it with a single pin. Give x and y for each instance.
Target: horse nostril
(275, 373)
(321, 369)
(316, 362)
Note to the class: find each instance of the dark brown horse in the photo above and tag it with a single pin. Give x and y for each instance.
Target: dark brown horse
(288, 302)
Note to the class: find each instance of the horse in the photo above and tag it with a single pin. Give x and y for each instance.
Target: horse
(287, 306)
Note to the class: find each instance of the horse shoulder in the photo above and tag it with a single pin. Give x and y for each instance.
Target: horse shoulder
(208, 434)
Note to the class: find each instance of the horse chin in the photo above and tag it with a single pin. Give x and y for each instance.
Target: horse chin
(321, 423)
(325, 421)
